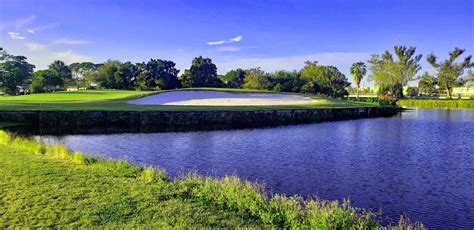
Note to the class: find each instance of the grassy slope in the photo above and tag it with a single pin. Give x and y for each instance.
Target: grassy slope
(44, 192)
(117, 100)
(436, 103)
(48, 186)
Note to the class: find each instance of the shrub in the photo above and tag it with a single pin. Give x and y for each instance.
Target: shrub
(124, 168)
(151, 175)
(5, 138)
(436, 103)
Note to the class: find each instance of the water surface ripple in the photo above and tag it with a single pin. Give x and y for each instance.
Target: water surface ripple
(420, 162)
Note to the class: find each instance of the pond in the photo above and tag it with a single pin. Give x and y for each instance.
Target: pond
(420, 162)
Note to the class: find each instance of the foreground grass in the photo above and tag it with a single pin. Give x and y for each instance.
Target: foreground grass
(48, 186)
(117, 100)
(436, 103)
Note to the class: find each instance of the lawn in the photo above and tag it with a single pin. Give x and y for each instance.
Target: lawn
(43, 192)
(47, 186)
(117, 100)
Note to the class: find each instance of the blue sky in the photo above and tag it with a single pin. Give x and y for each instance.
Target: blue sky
(246, 33)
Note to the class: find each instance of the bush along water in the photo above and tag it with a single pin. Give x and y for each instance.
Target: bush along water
(379, 101)
(437, 103)
(227, 193)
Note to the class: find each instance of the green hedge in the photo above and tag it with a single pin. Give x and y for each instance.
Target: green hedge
(436, 103)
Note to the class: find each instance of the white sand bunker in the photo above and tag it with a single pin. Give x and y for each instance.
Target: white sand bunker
(220, 98)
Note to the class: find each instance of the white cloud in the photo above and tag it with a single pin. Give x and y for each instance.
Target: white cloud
(70, 42)
(229, 48)
(15, 36)
(236, 39)
(43, 27)
(33, 46)
(216, 43)
(71, 57)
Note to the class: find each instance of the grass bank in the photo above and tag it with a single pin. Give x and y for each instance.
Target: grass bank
(436, 103)
(49, 186)
(106, 100)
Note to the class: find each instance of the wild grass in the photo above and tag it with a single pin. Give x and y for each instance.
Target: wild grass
(436, 103)
(100, 100)
(98, 192)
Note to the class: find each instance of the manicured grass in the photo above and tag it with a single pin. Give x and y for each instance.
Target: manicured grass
(48, 186)
(436, 103)
(117, 100)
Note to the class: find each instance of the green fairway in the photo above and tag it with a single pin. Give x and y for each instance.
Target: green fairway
(117, 100)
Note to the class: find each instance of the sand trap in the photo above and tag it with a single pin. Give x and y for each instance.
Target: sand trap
(219, 98)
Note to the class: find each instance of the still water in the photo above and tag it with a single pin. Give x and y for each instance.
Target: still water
(420, 162)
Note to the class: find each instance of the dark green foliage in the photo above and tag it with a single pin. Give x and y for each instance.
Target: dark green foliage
(233, 78)
(125, 76)
(105, 75)
(14, 70)
(157, 74)
(203, 73)
(427, 84)
(325, 80)
(45, 81)
(285, 81)
(61, 69)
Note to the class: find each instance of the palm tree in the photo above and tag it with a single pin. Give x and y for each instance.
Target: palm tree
(358, 70)
(61, 69)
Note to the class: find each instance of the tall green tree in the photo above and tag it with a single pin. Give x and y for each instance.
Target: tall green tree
(14, 70)
(61, 69)
(105, 75)
(327, 80)
(125, 76)
(449, 71)
(233, 78)
(45, 81)
(82, 72)
(257, 79)
(80, 69)
(427, 84)
(203, 73)
(286, 81)
(358, 71)
(390, 73)
(157, 74)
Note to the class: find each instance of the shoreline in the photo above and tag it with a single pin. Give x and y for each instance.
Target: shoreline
(188, 119)
(140, 191)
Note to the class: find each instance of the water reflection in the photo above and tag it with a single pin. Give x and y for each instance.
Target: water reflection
(420, 162)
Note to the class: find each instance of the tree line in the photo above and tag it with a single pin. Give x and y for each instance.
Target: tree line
(390, 72)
